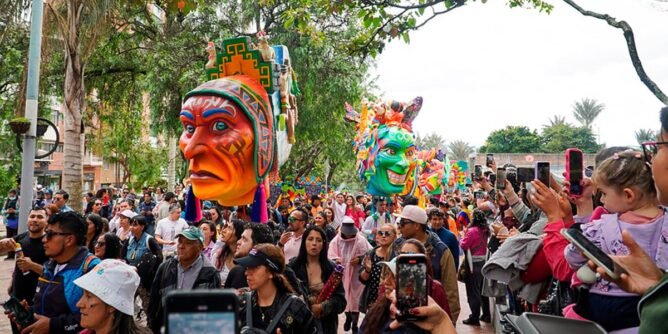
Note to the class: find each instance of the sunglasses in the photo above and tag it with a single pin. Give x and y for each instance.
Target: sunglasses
(292, 219)
(97, 204)
(50, 234)
(404, 222)
(384, 233)
(134, 224)
(650, 149)
(100, 244)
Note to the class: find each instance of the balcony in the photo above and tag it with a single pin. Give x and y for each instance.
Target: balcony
(92, 160)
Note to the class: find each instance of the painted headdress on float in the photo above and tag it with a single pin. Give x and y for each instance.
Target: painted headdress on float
(385, 146)
(235, 127)
(433, 172)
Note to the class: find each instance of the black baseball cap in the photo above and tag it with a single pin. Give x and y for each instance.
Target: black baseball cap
(255, 258)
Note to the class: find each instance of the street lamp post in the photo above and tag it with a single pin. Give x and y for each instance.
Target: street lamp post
(32, 91)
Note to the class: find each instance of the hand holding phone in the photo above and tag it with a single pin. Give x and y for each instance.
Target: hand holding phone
(593, 253)
(574, 171)
(23, 316)
(412, 285)
(201, 311)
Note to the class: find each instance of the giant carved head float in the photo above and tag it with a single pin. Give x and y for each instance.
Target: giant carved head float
(385, 146)
(234, 133)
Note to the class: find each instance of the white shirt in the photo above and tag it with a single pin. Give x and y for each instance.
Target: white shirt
(370, 224)
(168, 229)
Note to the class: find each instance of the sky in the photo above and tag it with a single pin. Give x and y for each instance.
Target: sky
(485, 66)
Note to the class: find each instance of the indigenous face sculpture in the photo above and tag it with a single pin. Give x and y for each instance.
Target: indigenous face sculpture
(219, 141)
(393, 163)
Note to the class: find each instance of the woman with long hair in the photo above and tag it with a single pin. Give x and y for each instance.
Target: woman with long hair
(370, 276)
(224, 256)
(354, 212)
(314, 269)
(272, 298)
(320, 220)
(329, 215)
(474, 243)
(108, 246)
(107, 304)
(216, 216)
(95, 227)
(208, 229)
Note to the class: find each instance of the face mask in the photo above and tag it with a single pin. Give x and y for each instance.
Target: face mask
(12, 198)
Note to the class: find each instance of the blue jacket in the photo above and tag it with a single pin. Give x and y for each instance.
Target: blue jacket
(450, 240)
(57, 295)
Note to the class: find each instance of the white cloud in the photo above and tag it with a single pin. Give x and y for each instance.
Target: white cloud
(485, 66)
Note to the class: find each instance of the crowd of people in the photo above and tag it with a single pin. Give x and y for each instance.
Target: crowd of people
(107, 269)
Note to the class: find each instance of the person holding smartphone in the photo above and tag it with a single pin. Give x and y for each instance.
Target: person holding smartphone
(272, 302)
(474, 243)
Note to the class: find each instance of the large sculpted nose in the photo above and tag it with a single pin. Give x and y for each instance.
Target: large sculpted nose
(196, 144)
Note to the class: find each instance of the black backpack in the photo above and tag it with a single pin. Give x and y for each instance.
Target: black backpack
(147, 266)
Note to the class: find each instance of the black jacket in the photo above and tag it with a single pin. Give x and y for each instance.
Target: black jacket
(332, 307)
(166, 279)
(296, 319)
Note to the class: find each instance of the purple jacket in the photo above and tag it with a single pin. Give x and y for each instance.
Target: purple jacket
(606, 233)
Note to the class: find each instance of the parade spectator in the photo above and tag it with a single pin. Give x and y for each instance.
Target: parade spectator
(378, 219)
(210, 238)
(314, 269)
(107, 303)
(474, 243)
(339, 207)
(320, 220)
(123, 230)
(108, 246)
(270, 293)
(146, 209)
(316, 205)
(10, 211)
(354, 212)
(437, 222)
(348, 249)
(168, 228)
(292, 239)
(114, 223)
(224, 255)
(253, 234)
(412, 222)
(216, 217)
(97, 207)
(95, 227)
(371, 275)
(329, 214)
(188, 270)
(29, 260)
(60, 199)
(56, 297)
(163, 209)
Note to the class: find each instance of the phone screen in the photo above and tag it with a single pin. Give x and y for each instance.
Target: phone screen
(500, 178)
(479, 194)
(492, 179)
(575, 172)
(477, 171)
(412, 288)
(525, 174)
(201, 322)
(490, 160)
(543, 172)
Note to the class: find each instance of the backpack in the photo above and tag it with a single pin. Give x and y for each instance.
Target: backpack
(147, 266)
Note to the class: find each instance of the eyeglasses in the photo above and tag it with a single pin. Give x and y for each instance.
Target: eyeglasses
(384, 233)
(650, 149)
(50, 234)
(404, 222)
(292, 219)
(99, 244)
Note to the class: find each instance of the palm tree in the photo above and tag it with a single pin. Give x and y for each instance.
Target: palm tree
(432, 140)
(79, 24)
(459, 150)
(587, 110)
(556, 120)
(645, 135)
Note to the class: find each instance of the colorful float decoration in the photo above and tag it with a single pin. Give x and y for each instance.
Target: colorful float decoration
(433, 172)
(238, 127)
(460, 176)
(385, 146)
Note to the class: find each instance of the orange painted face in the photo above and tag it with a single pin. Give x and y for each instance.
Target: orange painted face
(218, 141)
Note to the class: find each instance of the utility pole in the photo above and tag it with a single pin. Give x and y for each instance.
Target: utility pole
(32, 91)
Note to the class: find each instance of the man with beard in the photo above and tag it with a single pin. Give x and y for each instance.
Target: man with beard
(55, 301)
(253, 234)
(29, 259)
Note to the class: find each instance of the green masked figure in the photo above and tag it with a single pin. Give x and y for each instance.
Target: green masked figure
(385, 146)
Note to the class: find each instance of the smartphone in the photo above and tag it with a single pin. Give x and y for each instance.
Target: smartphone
(477, 172)
(542, 172)
(201, 311)
(574, 171)
(24, 317)
(592, 252)
(500, 178)
(525, 174)
(492, 179)
(511, 176)
(489, 161)
(412, 287)
(479, 194)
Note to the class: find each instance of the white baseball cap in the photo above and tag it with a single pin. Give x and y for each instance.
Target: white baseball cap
(392, 265)
(128, 213)
(114, 282)
(413, 213)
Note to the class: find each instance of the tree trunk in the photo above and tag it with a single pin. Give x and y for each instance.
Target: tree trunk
(73, 109)
(330, 175)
